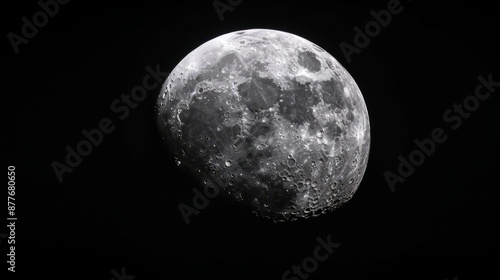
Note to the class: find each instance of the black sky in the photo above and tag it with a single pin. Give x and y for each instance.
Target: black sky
(119, 206)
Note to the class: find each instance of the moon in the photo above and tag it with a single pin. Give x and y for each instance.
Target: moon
(270, 120)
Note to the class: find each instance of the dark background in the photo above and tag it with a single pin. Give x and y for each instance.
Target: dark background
(119, 207)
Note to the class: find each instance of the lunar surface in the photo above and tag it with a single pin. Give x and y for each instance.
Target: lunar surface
(268, 119)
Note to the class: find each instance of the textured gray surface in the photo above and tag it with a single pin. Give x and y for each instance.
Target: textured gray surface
(270, 119)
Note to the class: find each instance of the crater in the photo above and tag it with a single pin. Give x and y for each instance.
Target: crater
(259, 93)
(309, 61)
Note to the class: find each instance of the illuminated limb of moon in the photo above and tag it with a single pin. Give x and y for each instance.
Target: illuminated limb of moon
(271, 119)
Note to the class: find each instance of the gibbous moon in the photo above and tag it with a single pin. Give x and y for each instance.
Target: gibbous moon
(268, 119)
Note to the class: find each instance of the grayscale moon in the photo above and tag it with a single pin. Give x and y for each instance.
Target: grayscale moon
(268, 119)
